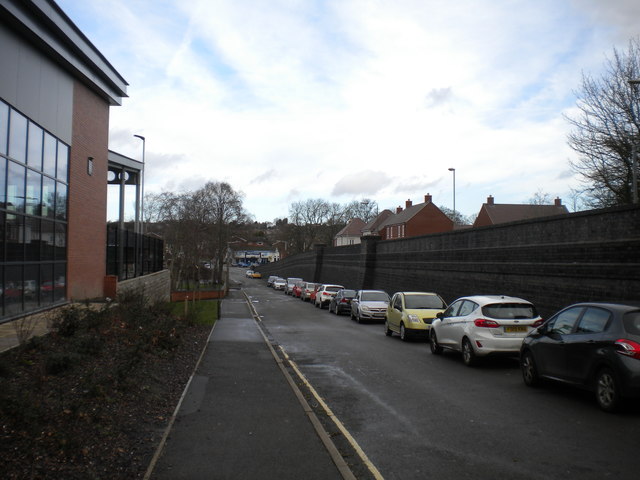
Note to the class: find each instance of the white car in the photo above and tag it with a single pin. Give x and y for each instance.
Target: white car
(291, 282)
(483, 325)
(279, 284)
(248, 273)
(325, 294)
(369, 305)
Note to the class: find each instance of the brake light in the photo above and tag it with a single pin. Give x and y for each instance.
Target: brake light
(344, 300)
(628, 348)
(537, 323)
(484, 323)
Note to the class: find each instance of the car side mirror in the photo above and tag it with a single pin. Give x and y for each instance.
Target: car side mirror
(440, 315)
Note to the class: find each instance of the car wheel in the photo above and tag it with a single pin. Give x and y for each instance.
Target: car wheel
(468, 355)
(529, 370)
(404, 335)
(433, 344)
(387, 330)
(607, 391)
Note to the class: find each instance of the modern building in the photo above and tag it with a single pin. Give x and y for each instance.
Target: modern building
(420, 219)
(350, 234)
(492, 213)
(56, 90)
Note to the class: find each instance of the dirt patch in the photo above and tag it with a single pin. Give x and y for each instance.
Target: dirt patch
(92, 399)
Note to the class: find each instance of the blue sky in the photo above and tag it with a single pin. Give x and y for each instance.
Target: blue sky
(345, 99)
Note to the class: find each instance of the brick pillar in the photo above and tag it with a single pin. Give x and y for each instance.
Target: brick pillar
(319, 249)
(367, 268)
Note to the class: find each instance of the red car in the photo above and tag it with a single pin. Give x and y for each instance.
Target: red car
(312, 295)
(296, 291)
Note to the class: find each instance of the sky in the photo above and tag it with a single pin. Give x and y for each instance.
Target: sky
(342, 100)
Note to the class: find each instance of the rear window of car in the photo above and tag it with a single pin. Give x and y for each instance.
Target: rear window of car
(631, 321)
(333, 289)
(506, 311)
(349, 293)
(375, 297)
(423, 301)
(310, 286)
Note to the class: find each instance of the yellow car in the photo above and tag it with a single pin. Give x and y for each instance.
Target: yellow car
(256, 275)
(410, 314)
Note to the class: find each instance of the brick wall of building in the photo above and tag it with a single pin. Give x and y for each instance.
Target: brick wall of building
(86, 244)
(553, 261)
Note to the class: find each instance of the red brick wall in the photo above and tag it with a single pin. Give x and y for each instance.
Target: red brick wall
(87, 195)
(483, 218)
(428, 220)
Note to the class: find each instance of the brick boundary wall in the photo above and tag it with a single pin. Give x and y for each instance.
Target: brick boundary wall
(551, 261)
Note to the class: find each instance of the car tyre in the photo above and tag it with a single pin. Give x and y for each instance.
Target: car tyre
(607, 390)
(468, 354)
(404, 335)
(529, 370)
(433, 344)
(387, 330)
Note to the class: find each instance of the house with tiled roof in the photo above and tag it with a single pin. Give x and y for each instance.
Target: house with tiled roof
(492, 213)
(350, 234)
(414, 220)
(373, 227)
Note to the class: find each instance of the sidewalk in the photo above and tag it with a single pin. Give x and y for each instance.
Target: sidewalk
(240, 419)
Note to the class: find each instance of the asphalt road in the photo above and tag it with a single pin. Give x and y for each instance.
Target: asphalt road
(417, 415)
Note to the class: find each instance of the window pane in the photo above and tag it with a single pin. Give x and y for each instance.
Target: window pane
(594, 320)
(33, 192)
(18, 136)
(4, 127)
(31, 287)
(32, 239)
(34, 154)
(46, 284)
(61, 201)
(2, 232)
(49, 159)
(565, 321)
(13, 290)
(15, 187)
(60, 282)
(47, 237)
(48, 196)
(63, 161)
(3, 182)
(15, 244)
(61, 241)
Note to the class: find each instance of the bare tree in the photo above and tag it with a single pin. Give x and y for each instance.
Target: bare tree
(540, 198)
(606, 129)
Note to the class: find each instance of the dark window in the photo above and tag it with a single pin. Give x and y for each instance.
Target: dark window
(15, 187)
(452, 311)
(467, 308)
(34, 152)
(594, 320)
(375, 297)
(631, 321)
(423, 301)
(17, 136)
(50, 153)
(13, 289)
(48, 197)
(32, 239)
(4, 127)
(63, 162)
(507, 311)
(15, 238)
(34, 193)
(564, 322)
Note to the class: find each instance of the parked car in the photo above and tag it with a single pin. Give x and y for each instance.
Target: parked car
(248, 273)
(307, 290)
(325, 293)
(312, 295)
(341, 301)
(369, 305)
(483, 325)
(271, 279)
(256, 275)
(279, 284)
(410, 314)
(291, 282)
(595, 346)
(296, 291)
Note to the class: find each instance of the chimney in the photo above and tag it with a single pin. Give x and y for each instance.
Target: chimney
(408, 203)
(399, 209)
(558, 202)
(427, 198)
(489, 200)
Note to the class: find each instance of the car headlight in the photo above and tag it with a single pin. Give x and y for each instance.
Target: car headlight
(413, 318)
(365, 309)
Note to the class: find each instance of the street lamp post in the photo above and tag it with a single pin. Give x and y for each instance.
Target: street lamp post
(141, 203)
(454, 191)
(634, 149)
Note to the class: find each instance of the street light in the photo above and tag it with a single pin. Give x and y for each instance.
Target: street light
(454, 191)
(141, 225)
(634, 148)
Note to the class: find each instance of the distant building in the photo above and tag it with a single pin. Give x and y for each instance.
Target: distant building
(373, 227)
(492, 213)
(251, 253)
(350, 234)
(414, 220)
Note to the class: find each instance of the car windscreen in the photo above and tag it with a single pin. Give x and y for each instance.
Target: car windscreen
(506, 311)
(631, 321)
(375, 297)
(423, 301)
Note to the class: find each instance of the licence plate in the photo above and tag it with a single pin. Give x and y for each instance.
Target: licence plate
(516, 329)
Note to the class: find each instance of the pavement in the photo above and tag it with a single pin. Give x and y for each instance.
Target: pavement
(240, 416)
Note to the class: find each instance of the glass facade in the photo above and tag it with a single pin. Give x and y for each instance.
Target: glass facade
(33, 215)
